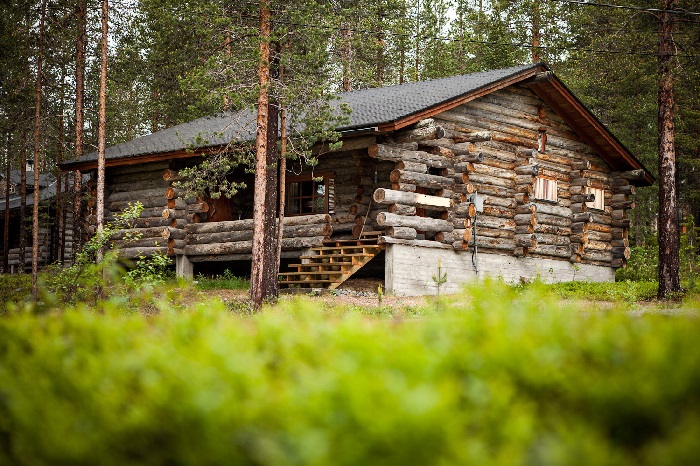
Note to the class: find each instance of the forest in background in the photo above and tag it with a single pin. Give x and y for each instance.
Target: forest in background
(171, 62)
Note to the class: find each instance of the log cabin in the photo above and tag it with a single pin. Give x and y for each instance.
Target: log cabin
(503, 173)
(55, 238)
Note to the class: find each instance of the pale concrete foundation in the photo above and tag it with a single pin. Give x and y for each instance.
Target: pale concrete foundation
(409, 269)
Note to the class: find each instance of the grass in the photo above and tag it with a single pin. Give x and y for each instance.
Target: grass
(226, 281)
(625, 291)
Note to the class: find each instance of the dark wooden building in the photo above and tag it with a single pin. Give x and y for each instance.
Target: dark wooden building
(500, 173)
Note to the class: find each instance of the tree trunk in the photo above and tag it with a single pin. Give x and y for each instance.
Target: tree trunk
(347, 59)
(270, 269)
(23, 203)
(101, 126)
(282, 176)
(669, 240)
(80, 13)
(257, 272)
(6, 232)
(37, 154)
(536, 35)
(59, 186)
(380, 48)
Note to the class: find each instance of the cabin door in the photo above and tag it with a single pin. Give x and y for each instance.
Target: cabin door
(220, 209)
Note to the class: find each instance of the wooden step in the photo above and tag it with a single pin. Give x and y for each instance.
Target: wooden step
(335, 256)
(307, 282)
(322, 265)
(310, 276)
(348, 250)
(330, 265)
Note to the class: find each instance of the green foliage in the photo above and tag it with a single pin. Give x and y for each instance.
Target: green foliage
(226, 281)
(628, 291)
(95, 268)
(440, 278)
(14, 288)
(150, 271)
(505, 377)
(689, 255)
(642, 264)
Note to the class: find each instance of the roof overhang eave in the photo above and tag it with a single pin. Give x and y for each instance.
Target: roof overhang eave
(592, 131)
(459, 100)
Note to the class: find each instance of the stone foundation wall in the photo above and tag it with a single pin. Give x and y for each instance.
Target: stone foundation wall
(409, 269)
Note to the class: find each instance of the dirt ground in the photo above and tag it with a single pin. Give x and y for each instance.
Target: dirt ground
(360, 292)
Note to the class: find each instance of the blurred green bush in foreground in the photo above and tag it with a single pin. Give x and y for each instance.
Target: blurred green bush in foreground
(498, 378)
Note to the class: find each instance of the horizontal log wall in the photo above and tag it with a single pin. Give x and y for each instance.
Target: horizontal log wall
(235, 237)
(164, 209)
(516, 117)
(490, 145)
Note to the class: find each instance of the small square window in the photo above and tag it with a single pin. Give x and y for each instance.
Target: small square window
(546, 189)
(599, 201)
(307, 195)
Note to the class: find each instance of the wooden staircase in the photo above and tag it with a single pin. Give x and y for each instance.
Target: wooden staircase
(330, 265)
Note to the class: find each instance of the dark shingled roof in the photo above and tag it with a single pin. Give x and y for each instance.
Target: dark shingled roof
(370, 107)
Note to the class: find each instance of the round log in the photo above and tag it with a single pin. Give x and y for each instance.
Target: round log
(617, 262)
(473, 157)
(397, 154)
(401, 209)
(552, 209)
(522, 198)
(406, 187)
(137, 195)
(174, 233)
(525, 219)
(390, 196)
(173, 213)
(551, 250)
(481, 179)
(420, 133)
(526, 209)
(600, 256)
(419, 223)
(494, 211)
(499, 201)
(493, 232)
(421, 179)
(401, 232)
(525, 241)
(133, 253)
(306, 219)
(412, 166)
(553, 220)
(171, 175)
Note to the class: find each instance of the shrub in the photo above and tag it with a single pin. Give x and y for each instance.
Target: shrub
(150, 271)
(510, 378)
(14, 288)
(642, 265)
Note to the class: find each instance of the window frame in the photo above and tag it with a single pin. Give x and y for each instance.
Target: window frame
(591, 205)
(548, 179)
(328, 180)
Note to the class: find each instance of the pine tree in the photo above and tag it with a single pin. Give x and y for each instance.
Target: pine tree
(669, 233)
(37, 152)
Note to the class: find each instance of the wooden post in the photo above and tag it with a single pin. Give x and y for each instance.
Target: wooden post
(184, 267)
